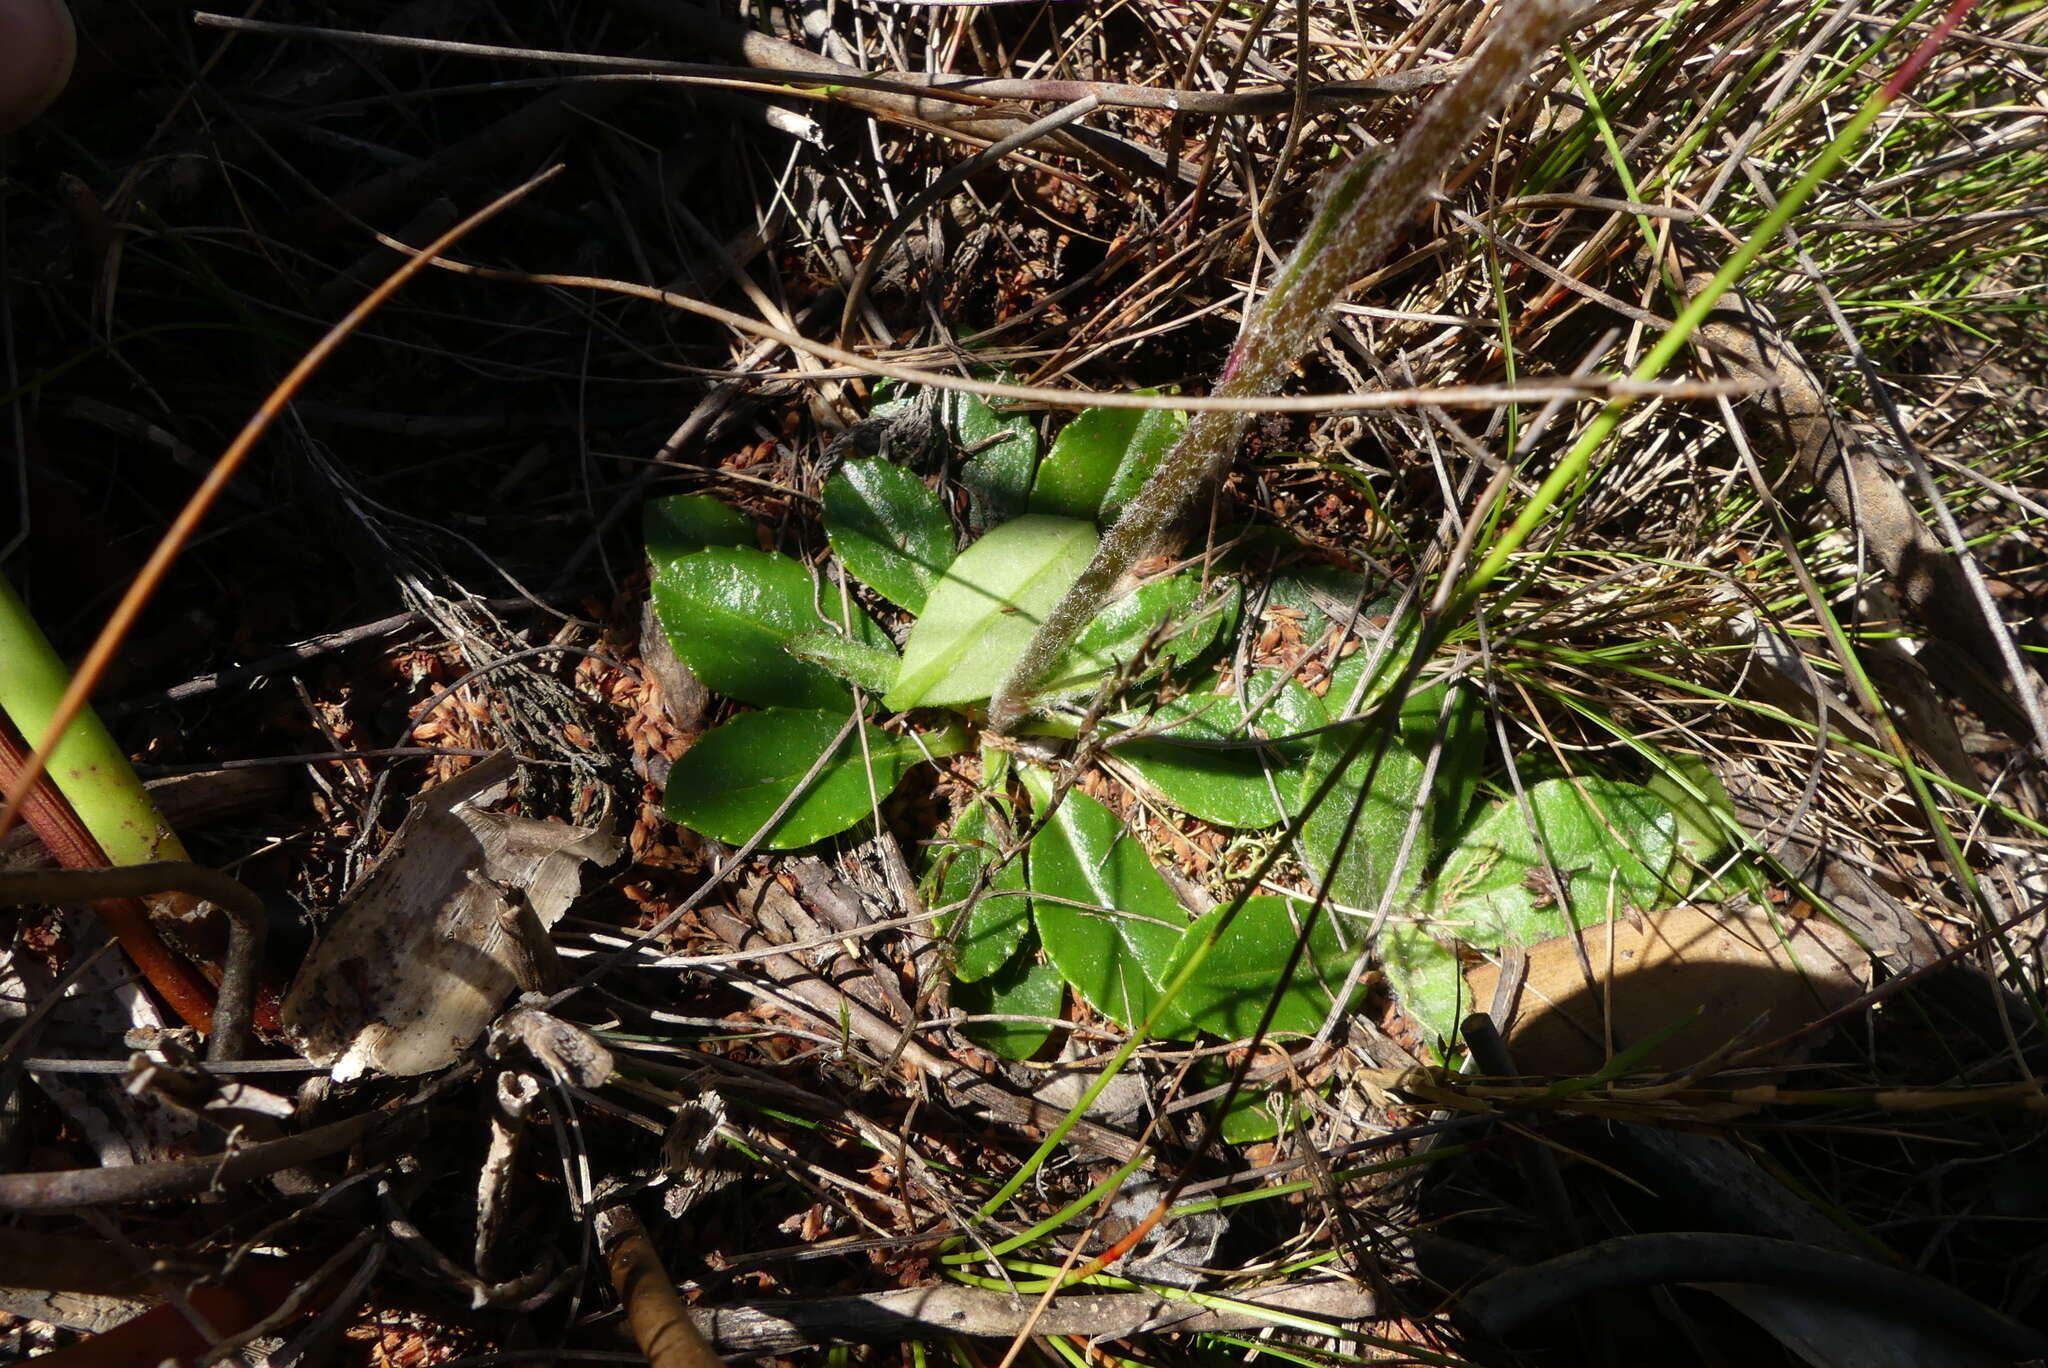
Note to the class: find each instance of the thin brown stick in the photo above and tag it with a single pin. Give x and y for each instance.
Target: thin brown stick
(932, 1312)
(1540, 390)
(69, 1190)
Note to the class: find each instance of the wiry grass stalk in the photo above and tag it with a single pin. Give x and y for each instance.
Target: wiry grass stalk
(1362, 206)
(1576, 461)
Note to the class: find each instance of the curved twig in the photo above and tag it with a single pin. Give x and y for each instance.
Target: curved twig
(243, 909)
(69, 1190)
(1500, 1304)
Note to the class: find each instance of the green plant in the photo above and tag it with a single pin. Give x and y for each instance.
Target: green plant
(117, 823)
(1042, 887)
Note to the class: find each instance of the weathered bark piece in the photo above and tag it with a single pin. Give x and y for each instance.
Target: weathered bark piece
(419, 960)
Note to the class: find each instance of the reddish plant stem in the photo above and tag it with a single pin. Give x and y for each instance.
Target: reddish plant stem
(126, 919)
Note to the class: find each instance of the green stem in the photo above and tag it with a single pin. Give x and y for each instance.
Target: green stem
(88, 767)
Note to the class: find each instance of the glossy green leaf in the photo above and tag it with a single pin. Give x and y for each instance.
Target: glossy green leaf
(731, 782)
(889, 529)
(1230, 991)
(1251, 1119)
(1186, 619)
(686, 523)
(1023, 987)
(1323, 593)
(982, 614)
(1356, 871)
(1103, 457)
(872, 668)
(728, 612)
(1226, 782)
(999, 918)
(998, 474)
(1114, 946)
(1427, 980)
(1611, 843)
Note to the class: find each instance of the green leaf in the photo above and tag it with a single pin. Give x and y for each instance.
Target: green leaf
(1229, 787)
(729, 610)
(1426, 978)
(1358, 877)
(872, 668)
(1115, 946)
(998, 475)
(1701, 834)
(1230, 991)
(1456, 785)
(731, 782)
(1318, 591)
(685, 523)
(1251, 1118)
(998, 920)
(1023, 987)
(889, 529)
(1610, 842)
(1102, 458)
(983, 613)
(1121, 630)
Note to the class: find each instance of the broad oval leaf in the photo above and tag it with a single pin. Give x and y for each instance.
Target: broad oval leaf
(729, 611)
(1698, 800)
(683, 524)
(1426, 978)
(983, 612)
(999, 917)
(1102, 458)
(731, 782)
(1114, 946)
(1024, 987)
(1255, 1114)
(872, 668)
(1120, 632)
(1351, 693)
(889, 529)
(1355, 872)
(1229, 993)
(997, 476)
(1229, 781)
(1610, 842)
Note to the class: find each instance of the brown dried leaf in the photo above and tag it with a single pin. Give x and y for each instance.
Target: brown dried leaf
(1730, 966)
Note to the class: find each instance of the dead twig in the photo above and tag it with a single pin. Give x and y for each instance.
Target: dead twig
(243, 909)
(661, 1323)
(830, 1006)
(930, 1312)
(73, 1189)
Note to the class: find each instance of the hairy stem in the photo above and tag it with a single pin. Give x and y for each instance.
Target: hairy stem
(1362, 206)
